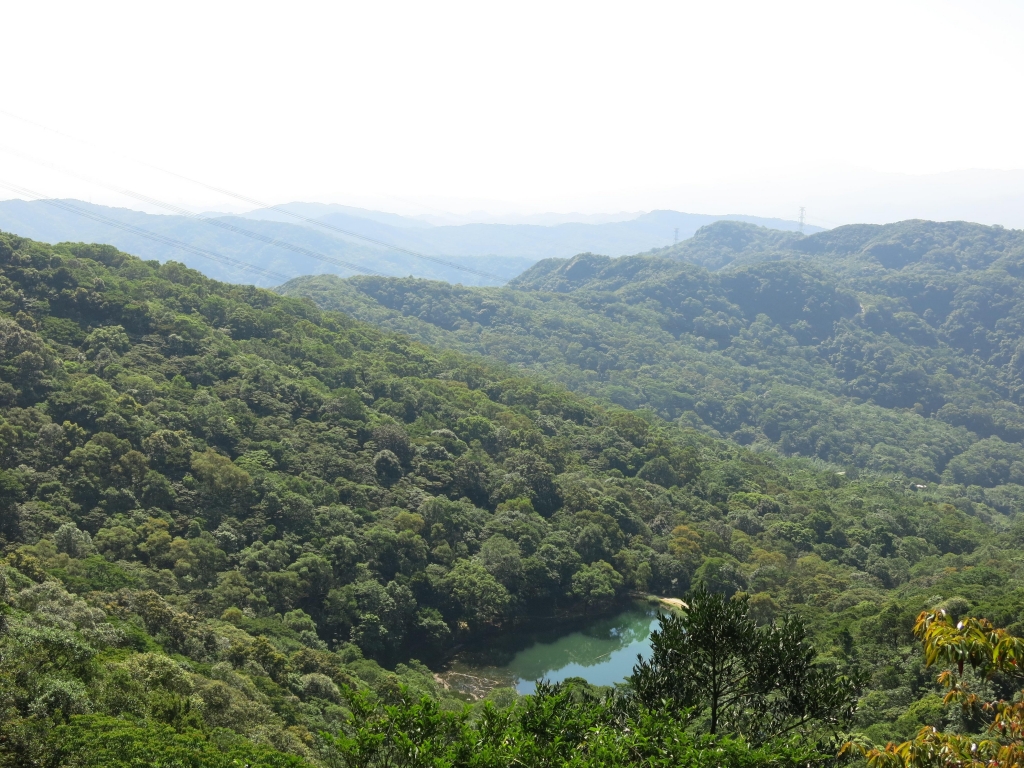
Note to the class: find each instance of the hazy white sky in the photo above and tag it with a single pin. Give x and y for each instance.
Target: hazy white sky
(747, 107)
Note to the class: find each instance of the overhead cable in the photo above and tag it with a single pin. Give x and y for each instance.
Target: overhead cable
(279, 209)
(163, 239)
(357, 268)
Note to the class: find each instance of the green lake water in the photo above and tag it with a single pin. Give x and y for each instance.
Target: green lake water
(601, 651)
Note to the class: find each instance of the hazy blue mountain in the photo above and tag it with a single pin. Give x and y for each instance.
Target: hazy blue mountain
(504, 250)
(320, 210)
(534, 241)
(41, 221)
(548, 219)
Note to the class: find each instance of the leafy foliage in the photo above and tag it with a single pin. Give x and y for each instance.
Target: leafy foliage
(559, 725)
(972, 651)
(227, 512)
(892, 348)
(711, 662)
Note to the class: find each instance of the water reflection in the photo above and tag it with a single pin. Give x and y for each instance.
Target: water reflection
(602, 652)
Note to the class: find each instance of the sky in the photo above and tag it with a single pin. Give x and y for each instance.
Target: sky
(859, 111)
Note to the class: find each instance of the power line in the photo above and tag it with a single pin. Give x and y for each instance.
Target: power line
(830, 224)
(279, 209)
(213, 222)
(163, 239)
(331, 227)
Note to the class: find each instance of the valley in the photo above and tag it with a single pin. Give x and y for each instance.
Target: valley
(227, 508)
(512, 385)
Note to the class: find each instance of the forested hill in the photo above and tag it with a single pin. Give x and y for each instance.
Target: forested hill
(920, 246)
(231, 521)
(891, 347)
(223, 510)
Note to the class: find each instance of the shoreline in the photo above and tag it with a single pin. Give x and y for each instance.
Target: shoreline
(460, 673)
(672, 604)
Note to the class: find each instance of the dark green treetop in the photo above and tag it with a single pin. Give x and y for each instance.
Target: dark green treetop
(729, 675)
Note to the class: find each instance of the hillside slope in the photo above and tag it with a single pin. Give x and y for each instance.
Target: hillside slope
(221, 505)
(823, 352)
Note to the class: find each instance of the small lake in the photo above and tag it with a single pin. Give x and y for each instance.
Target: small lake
(602, 651)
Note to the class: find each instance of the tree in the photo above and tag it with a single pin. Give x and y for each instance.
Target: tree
(477, 595)
(659, 471)
(720, 575)
(388, 467)
(502, 560)
(11, 492)
(968, 649)
(219, 474)
(72, 541)
(596, 584)
(96, 740)
(391, 437)
(760, 683)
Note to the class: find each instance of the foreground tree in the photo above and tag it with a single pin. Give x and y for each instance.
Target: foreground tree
(731, 676)
(971, 650)
(561, 725)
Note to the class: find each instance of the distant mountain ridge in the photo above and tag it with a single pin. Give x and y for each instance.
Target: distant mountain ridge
(535, 241)
(322, 210)
(952, 244)
(40, 221)
(504, 250)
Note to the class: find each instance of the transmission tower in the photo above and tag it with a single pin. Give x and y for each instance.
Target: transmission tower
(801, 218)
(676, 238)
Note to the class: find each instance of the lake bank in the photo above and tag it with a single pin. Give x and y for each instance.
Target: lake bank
(602, 650)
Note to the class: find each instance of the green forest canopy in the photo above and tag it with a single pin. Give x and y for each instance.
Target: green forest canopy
(224, 508)
(893, 348)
